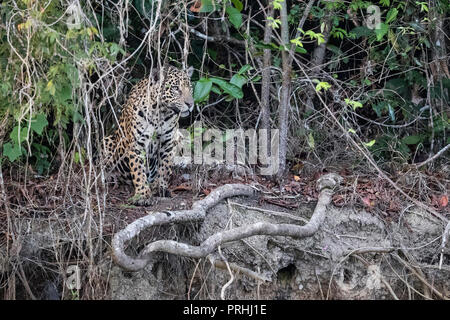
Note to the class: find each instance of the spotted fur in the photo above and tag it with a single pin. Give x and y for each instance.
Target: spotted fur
(143, 147)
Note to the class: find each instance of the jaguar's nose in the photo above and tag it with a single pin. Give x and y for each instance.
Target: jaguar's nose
(190, 103)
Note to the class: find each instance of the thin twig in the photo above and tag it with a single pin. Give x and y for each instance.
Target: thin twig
(441, 152)
(420, 277)
(222, 291)
(445, 236)
(250, 273)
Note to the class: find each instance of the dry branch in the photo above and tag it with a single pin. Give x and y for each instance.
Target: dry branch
(252, 274)
(441, 152)
(445, 237)
(217, 38)
(265, 83)
(325, 186)
(284, 105)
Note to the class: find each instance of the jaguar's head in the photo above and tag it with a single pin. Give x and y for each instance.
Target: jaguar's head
(176, 90)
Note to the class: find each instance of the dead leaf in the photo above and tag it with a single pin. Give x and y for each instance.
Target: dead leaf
(298, 167)
(317, 175)
(297, 178)
(282, 203)
(339, 200)
(368, 202)
(182, 187)
(394, 206)
(196, 6)
(443, 201)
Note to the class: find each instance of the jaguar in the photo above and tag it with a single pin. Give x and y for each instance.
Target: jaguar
(142, 147)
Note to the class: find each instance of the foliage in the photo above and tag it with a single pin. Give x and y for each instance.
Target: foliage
(382, 74)
(41, 60)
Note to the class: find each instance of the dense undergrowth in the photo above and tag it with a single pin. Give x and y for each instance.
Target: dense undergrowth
(365, 86)
(387, 85)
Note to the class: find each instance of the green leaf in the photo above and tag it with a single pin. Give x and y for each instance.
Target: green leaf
(238, 80)
(238, 4)
(234, 16)
(323, 85)
(39, 123)
(64, 94)
(73, 75)
(415, 139)
(416, 26)
(216, 89)
(208, 6)
(391, 15)
(77, 117)
(361, 31)
(229, 88)
(391, 112)
(245, 68)
(202, 89)
(277, 4)
(18, 138)
(423, 6)
(300, 50)
(77, 157)
(270, 45)
(380, 107)
(274, 23)
(353, 104)
(297, 42)
(381, 31)
(314, 35)
(12, 151)
(311, 143)
(256, 79)
(114, 49)
(51, 88)
(339, 33)
(370, 143)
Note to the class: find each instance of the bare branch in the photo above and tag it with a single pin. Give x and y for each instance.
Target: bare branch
(445, 236)
(252, 274)
(284, 105)
(433, 157)
(265, 83)
(217, 38)
(222, 291)
(300, 27)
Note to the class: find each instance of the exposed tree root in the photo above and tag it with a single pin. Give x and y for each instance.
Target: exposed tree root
(238, 269)
(325, 186)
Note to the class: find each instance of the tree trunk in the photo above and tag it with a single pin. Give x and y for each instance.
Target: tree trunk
(283, 110)
(316, 62)
(265, 85)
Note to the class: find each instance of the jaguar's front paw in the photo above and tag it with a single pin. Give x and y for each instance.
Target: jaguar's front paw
(139, 200)
(164, 193)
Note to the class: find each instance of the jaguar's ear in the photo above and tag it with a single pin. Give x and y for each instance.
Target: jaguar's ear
(154, 75)
(190, 71)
